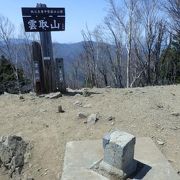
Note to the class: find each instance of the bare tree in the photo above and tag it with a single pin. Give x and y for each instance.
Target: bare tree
(7, 48)
(161, 31)
(102, 57)
(173, 9)
(25, 52)
(6, 35)
(128, 47)
(116, 41)
(126, 20)
(154, 28)
(76, 73)
(89, 58)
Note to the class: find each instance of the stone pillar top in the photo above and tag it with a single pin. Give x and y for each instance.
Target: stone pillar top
(119, 154)
(121, 138)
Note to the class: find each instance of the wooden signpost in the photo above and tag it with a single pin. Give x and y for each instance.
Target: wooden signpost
(60, 83)
(41, 19)
(44, 20)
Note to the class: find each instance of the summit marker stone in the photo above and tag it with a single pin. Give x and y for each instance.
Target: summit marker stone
(119, 154)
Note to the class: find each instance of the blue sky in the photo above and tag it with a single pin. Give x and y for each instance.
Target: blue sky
(78, 13)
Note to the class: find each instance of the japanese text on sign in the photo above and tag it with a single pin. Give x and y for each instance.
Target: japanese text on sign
(44, 24)
(43, 11)
(43, 19)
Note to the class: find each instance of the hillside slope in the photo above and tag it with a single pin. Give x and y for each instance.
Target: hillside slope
(152, 112)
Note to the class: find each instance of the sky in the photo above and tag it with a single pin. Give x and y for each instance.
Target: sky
(78, 14)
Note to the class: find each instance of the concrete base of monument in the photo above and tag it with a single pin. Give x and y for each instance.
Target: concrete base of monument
(82, 159)
(110, 171)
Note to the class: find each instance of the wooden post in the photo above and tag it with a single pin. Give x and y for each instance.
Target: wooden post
(38, 68)
(43, 20)
(60, 77)
(48, 61)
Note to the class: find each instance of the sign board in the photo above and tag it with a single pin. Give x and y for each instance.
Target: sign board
(43, 19)
(36, 71)
(38, 24)
(43, 11)
(47, 58)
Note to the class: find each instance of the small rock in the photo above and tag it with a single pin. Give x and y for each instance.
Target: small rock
(53, 95)
(60, 109)
(160, 106)
(128, 92)
(77, 103)
(77, 95)
(81, 115)
(42, 95)
(175, 128)
(92, 119)
(160, 142)
(21, 97)
(29, 178)
(12, 151)
(39, 169)
(87, 106)
(85, 93)
(175, 114)
(157, 125)
(112, 123)
(46, 125)
(170, 160)
(43, 110)
(178, 172)
(110, 118)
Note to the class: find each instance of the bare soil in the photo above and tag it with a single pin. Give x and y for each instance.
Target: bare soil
(152, 112)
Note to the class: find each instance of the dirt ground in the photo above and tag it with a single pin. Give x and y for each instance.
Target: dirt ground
(152, 112)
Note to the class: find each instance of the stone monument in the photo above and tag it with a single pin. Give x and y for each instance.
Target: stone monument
(118, 157)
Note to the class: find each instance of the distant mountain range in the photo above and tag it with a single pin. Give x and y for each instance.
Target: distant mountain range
(60, 50)
(69, 52)
(66, 51)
